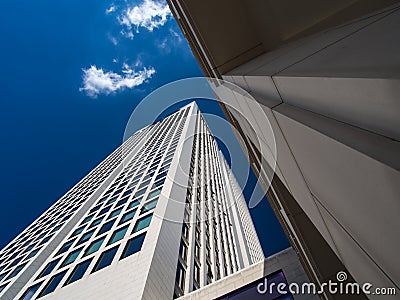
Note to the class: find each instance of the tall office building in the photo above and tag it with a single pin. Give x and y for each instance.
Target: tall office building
(160, 217)
(326, 74)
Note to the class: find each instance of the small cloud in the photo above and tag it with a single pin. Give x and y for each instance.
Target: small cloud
(149, 15)
(96, 81)
(176, 35)
(170, 41)
(128, 34)
(112, 39)
(115, 60)
(111, 9)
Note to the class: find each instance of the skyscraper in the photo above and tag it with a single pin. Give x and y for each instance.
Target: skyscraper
(326, 75)
(160, 217)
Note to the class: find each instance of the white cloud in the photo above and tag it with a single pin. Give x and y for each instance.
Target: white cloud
(111, 9)
(176, 35)
(96, 81)
(149, 15)
(112, 39)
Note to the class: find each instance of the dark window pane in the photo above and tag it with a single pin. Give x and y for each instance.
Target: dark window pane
(16, 271)
(50, 267)
(52, 285)
(79, 271)
(105, 259)
(30, 292)
(71, 257)
(134, 245)
(104, 210)
(123, 201)
(2, 287)
(65, 247)
(78, 231)
(96, 222)
(106, 227)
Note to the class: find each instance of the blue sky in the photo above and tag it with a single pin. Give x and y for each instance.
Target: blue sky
(71, 74)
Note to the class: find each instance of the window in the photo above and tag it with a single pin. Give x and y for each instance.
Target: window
(142, 223)
(133, 204)
(106, 227)
(112, 200)
(197, 273)
(115, 213)
(50, 267)
(134, 245)
(2, 287)
(87, 219)
(149, 206)
(183, 251)
(52, 285)
(65, 247)
(197, 251)
(16, 271)
(180, 277)
(96, 222)
(122, 201)
(79, 271)
(104, 210)
(185, 231)
(77, 231)
(71, 257)
(118, 235)
(32, 254)
(105, 259)
(85, 237)
(94, 246)
(154, 193)
(30, 292)
(128, 216)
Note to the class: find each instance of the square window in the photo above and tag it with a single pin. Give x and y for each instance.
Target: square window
(118, 235)
(65, 247)
(87, 219)
(71, 257)
(134, 204)
(105, 259)
(122, 201)
(50, 267)
(85, 237)
(134, 245)
(106, 227)
(31, 291)
(112, 200)
(115, 213)
(149, 206)
(52, 284)
(142, 223)
(104, 210)
(96, 222)
(16, 271)
(94, 246)
(79, 271)
(128, 216)
(77, 231)
(154, 193)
